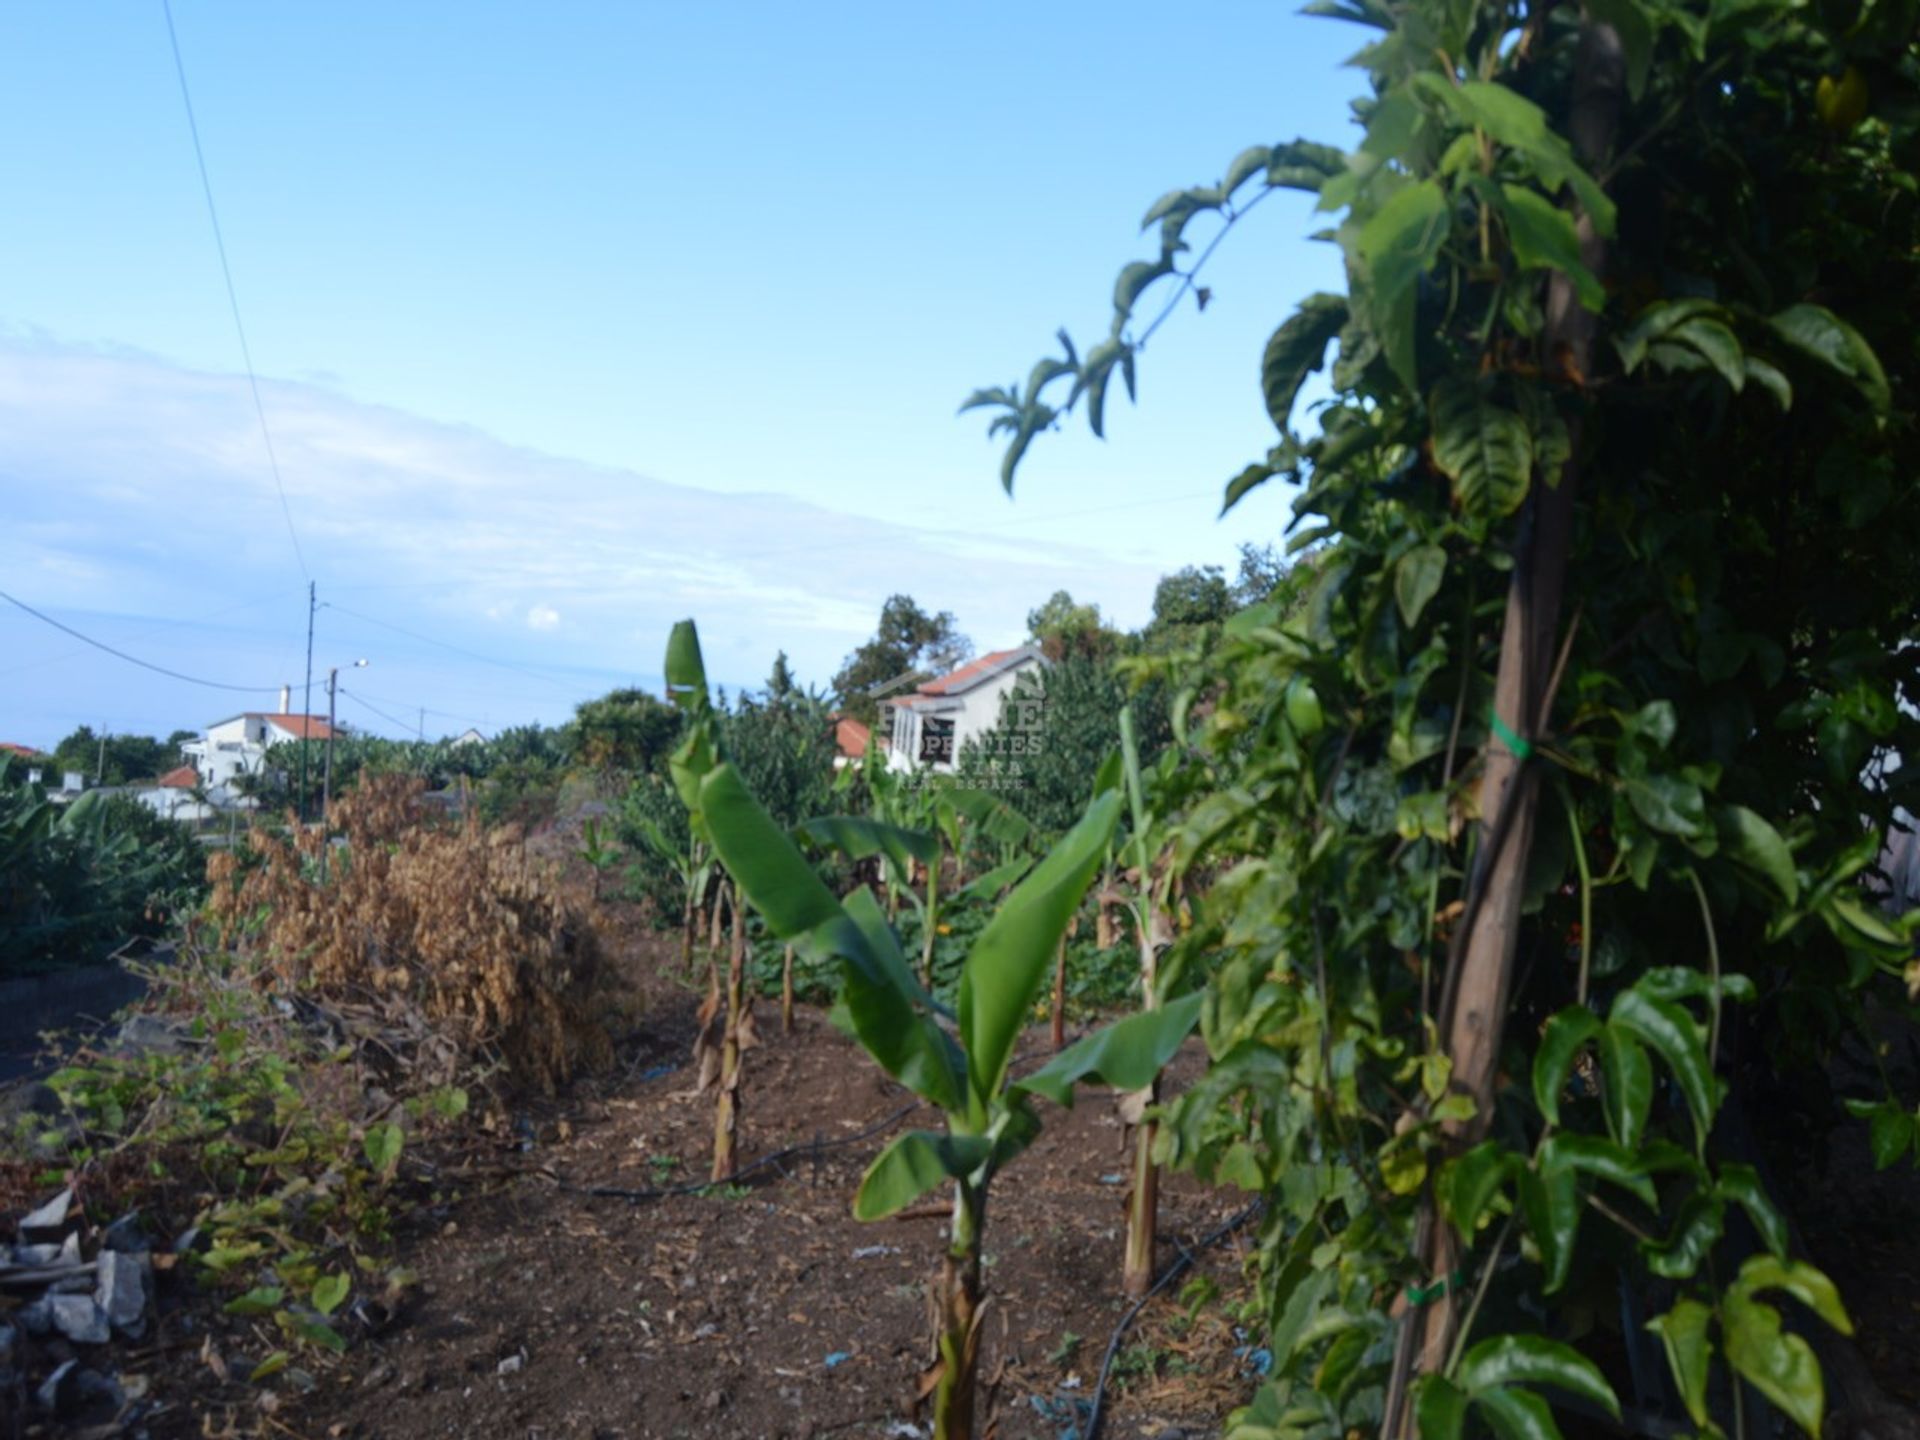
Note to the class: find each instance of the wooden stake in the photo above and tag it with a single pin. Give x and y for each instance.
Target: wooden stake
(1478, 988)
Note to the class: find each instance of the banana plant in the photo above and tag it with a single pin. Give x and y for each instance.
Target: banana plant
(1147, 907)
(692, 867)
(897, 848)
(960, 1063)
(696, 756)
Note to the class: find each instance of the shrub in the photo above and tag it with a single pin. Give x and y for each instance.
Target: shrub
(455, 919)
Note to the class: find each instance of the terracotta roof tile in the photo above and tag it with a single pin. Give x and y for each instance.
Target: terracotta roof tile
(851, 737)
(309, 727)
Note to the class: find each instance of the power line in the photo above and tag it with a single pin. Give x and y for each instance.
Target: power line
(233, 298)
(364, 705)
(159, 624)
(430, 710)
(134, 659)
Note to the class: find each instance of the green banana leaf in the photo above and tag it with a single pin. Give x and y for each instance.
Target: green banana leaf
(1010, 960)
(911, 1166)
(1126, 1054)
(881, 994)
(859, 839)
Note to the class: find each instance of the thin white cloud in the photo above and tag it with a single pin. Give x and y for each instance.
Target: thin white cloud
(138, 486)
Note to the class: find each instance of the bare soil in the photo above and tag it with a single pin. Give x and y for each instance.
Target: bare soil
(758, 1310)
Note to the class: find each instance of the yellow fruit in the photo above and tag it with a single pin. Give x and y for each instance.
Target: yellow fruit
(1842, 103)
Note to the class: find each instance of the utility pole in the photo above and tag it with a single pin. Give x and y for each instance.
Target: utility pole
(100, 765)
(422, 732)
(306, 705)
(326, 783)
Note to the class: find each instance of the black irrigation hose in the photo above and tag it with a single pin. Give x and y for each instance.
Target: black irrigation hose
(813, 1147)
(1173, 1272)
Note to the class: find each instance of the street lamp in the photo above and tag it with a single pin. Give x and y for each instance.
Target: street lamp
(326, 783)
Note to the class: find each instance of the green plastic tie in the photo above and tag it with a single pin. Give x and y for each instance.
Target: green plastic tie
(1521, 748)
(1418, 1295)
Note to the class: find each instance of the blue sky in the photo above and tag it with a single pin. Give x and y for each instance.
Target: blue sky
(574, 319)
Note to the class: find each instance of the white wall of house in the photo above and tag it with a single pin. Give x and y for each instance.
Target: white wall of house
(982, 709)
(170, 803)
(972, 712)
(233, 749)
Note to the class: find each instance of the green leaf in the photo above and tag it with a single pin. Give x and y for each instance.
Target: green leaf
(1667, 803)
(1820, 334)
(1627, 1093)
(1672, 1034)
(1592, 1155)
(686, 672)
(329, 1292)
(1296, 350)
(1469, 1183)
(1248, 163)
(1780, 1366)
(1517, 1415)
(881, 993)
(1741, 1184)
(1771, 380)
(261, 1300)
(1560, 1045)
(383, 1144)
(1440, 1408)
(1126, 1054)
(1516, 122)
(1304, 165)
(1550, 1201)
(1396, 246)
(1248, 480)
(859, 838)
(1485, 449)
(1715, 344)
(1755, 843)
(1683, 1331)
(1544, 238)
(1653, 324)
(1133, 280)
(1416, 580)
(1011, 959)
(1889, 1133)
(1534, 1360)
(911, 1166)
(271, 1366)
(1865, 922)
(1806, 1283)
(316, 1332)
(992, 882)
(1698, 1226)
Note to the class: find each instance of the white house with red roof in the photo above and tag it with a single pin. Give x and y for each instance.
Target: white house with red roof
(238, 746)
(931, 725)
(177, 795)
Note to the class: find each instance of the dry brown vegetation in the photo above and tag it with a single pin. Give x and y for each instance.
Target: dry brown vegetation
(439, 915)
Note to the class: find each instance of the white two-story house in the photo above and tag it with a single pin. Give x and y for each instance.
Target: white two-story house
(238, 746)
(930, 726)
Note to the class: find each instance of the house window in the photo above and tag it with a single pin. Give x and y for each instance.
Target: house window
(936, 741)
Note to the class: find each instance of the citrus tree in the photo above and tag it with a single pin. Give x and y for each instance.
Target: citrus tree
(1541, 828)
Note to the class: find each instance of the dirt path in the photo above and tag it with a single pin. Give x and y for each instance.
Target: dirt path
(767, 1310)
